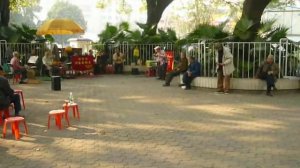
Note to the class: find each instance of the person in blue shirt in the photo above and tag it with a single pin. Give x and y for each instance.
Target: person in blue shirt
(192, 72)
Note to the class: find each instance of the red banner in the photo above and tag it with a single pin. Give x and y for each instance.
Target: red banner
(170, 57)
(82, 63)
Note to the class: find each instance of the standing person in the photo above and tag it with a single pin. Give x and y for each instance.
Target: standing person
(118, 61)
(225, 67)
(7, 96)
(268, 71)
(91, 53)
(181, 68)
(192, 72)
(103, 61)
(136, 55)
(161, 60)
(17, 68)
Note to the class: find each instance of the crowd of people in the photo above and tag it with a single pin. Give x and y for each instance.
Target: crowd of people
(189, 67)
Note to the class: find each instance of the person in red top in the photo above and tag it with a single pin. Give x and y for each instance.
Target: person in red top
(17, 68)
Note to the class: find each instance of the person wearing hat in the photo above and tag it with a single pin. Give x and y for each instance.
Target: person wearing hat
(225, 67)
(268, 71)
(192, 72)
(161, 60)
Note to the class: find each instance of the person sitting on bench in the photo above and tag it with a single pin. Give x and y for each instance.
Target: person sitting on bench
(268, 71)
(192, 72)
(181, 68)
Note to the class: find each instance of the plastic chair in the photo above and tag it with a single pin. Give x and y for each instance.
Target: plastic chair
(5, 113)
(74, 107)
(14, 121)
(58, 115)
(16, 78)
(20, 92)
(109, 69)
(7, 71)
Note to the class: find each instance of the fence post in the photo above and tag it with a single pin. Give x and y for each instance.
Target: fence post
(5, 45)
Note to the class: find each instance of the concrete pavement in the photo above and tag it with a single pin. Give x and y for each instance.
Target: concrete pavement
(134, 122)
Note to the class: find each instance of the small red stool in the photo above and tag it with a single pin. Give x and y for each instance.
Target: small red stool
(20, 92)
(16, 78)
(58, 114)
(150, 72)
(109, 69)
(74, 107)
(4, 112)
(14, 121)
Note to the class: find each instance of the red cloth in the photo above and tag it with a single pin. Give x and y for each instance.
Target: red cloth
(170, 57)
(82, 63)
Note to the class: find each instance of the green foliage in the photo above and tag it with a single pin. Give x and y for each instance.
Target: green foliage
(21, 34)
(242, 29)
(107, 34)
(206, 31)
(25, 16)
(269, 32)
(26, 34)
(17, 5)
(121, 33)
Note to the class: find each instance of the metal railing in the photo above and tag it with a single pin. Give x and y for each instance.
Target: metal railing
(25, 50)
(248, 56)
(146, 51)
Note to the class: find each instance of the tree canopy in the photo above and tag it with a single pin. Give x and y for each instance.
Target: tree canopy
(63, 9)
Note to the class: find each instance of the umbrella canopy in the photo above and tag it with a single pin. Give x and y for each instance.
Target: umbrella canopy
(59, 27)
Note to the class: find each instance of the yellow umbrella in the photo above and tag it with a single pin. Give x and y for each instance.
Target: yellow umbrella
(59, 27)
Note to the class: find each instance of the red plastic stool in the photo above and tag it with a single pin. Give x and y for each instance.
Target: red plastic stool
(150, 72)
(14, 121)
(16, 78)
(20, 92)
(109, 69)
(4, 112)
(74, 107)
(58, 114)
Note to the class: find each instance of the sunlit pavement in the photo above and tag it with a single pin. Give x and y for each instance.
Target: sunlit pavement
(132, 121)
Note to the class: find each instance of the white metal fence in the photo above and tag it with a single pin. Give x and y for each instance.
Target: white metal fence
(25, 50)
(146, 51)
(247, 55)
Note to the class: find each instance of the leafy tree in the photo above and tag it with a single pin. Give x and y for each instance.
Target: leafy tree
(250, 21)
(25, 16)
(15, 5)
(63, 9)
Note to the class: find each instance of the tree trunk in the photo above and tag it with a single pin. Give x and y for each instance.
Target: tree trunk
(4, 12)
(252, 10)
(155, 9)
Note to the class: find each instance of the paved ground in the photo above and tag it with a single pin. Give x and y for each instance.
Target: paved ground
(132, 121)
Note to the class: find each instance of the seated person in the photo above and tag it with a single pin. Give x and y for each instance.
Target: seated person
(181, 68)
(7, 96)
(268, 71)
(192, 72)
(48, 62)
(118, 61)
(17, 68)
